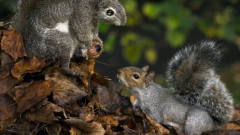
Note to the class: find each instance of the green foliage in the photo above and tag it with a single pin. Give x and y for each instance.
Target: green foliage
(134, 46)
(152, 10)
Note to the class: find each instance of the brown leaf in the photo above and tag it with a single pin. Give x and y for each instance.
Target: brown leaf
(44, 112)
(7, 82)
(27, 66)
(93, 128)
(109, 120)
(65, 92)
(158, 127)
(86, 114)
(87, 69)
(222, 132)
(29, 95)
(7, 108)
(107, 99)
(236, 114)
(54, 129)
(232, 126)
(6, 62)
(12, 44)
(75, 131)
(100, 80)
(4, 75)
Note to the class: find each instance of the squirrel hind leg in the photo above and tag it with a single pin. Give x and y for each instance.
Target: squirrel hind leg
(61, 46)
(65, 65)
(197, 122)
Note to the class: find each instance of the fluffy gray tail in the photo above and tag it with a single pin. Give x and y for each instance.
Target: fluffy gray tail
(191, 72)
(187, 69)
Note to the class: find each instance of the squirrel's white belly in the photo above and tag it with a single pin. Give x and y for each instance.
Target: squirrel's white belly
(62, 27)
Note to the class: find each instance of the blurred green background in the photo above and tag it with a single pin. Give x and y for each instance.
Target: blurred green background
(156, 29)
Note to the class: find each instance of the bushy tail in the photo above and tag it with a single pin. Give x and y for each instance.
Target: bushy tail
(24, 8)
(188, 69)
(191, 72)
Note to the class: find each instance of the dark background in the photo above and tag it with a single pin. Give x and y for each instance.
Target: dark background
(157, 29)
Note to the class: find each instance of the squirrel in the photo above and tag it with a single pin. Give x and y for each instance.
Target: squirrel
(168, 105)
(57, 29)
(191, 73)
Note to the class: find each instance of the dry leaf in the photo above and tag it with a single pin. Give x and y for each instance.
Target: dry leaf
(109, 120)
(232, 126)
(87, 69)
(236, 114)
(27, 96)
(27, 66)
(107, 99)
(158, 127)
(54, 129)
(93, 128)
(7, 107)
(12, 44)
(75, 131)
(222, 132)
(86, 114)
(65, 92)
(45, 112)
(6, 62)
(7, 82)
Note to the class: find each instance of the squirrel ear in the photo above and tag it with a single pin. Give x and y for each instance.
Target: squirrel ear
(149, 78)
(145, 68)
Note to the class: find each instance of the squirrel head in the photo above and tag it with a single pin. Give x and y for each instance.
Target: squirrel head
(111, 12)
(133, 77)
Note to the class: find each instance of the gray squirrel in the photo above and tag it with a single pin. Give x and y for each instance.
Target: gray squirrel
(197, 102)
(58, 29)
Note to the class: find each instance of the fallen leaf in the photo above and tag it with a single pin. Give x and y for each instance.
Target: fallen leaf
(7, 82)
(222, 132)
(232, 126)
(236, 114)
(12, 44)
(31, 65)
(44, 112)
(66, 92)
(27, 96)
(75, 131)
(109, 120)
(107, 99)
(87, 69)
(86, 114)
(93, 128)
(54, 129)
(6, 62)
(7, 107)
(158, 127)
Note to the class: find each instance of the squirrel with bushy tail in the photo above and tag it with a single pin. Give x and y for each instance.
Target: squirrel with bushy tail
(61, 29)
(197, 101)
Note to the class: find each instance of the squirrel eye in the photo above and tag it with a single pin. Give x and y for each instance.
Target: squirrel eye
(136, 76)
(110, 12)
